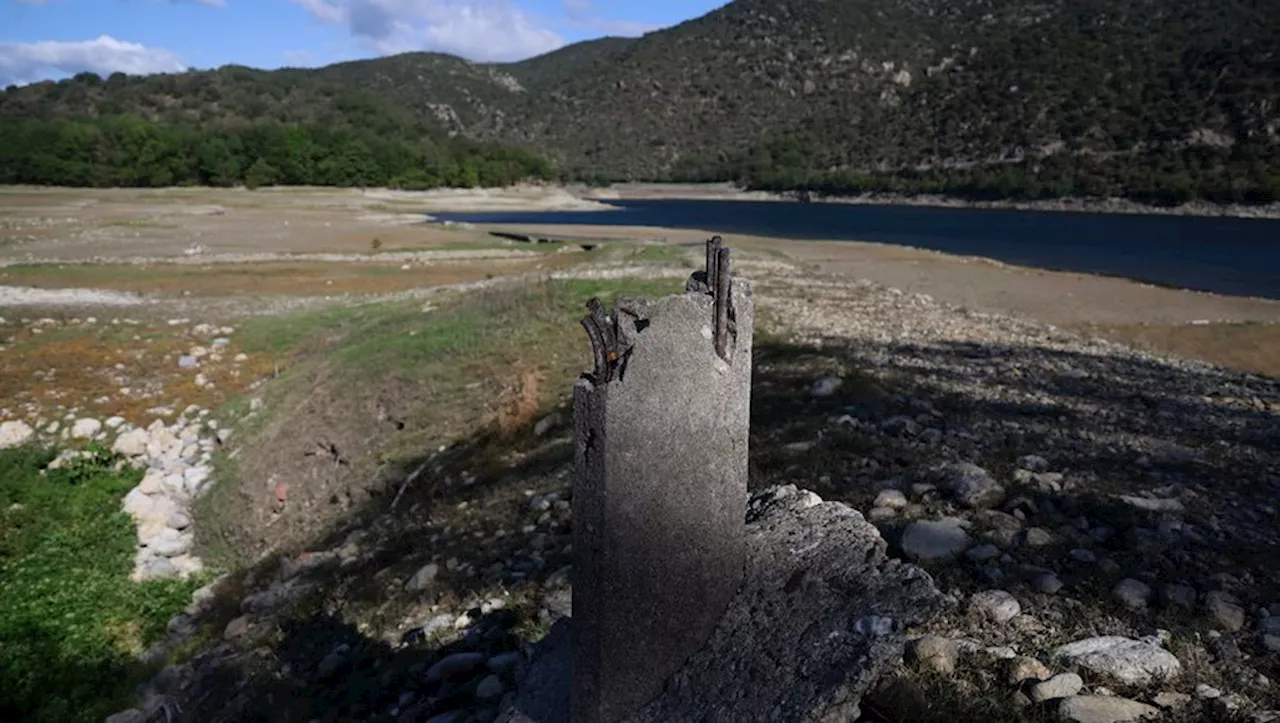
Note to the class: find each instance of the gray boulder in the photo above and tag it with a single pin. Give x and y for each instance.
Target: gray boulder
(1104, 709)
(971, 485)
(1133, 662)
(820, 615)
(936, 539)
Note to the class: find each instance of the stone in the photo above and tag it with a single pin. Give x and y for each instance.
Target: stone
(236, 628)
(86, 428)
(178, 520)
(935, 539)
(1037, 537)
(1104, 709)
(455, 666)
(817, 576)
(882, 514)
(133, 715)
(1033, 463)
(1271, 643)
(423, 578)
(15, 434)
(1205, 691)
(1181, 596)
(332, 663)
(826, 387)
(644, 598)
(894, 499)
(1062, 685)
(170, 543)
(1225, 611)
(1134, 594)
(1047, 583)
(1026, 668)
(504, 663)
(1151, 504)
(1128, 661)
(154, 568)
(490, 688)
(188, 362)
(132, 443)
(983, 553)
(933, 652)
(1170, 699)
(971, 485)
(1083, 556)
(997, 606)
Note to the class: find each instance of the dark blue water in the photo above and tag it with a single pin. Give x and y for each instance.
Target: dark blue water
(1233, 256)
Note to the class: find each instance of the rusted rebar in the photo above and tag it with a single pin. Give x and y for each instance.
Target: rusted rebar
(721, 290)
(714, 244)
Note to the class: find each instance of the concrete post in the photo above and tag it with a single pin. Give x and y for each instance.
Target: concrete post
(659, 499)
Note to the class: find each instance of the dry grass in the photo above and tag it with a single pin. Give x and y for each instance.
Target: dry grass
(1249, 347)
(88, 368)
(278, 278)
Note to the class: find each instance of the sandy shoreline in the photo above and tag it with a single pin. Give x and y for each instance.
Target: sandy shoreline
(93, 231)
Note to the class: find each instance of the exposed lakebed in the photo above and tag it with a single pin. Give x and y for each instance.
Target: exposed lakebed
(1234, 256)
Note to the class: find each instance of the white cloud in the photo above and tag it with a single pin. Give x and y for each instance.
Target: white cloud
(581, 13)
(475, 29)
(28, 62)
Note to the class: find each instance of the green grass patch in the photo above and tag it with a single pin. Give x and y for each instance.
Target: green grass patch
(72, 623)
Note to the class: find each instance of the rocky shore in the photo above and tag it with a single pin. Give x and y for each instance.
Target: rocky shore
(728, 192)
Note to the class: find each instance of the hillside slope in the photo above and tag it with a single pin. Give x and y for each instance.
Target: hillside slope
(1056, 97)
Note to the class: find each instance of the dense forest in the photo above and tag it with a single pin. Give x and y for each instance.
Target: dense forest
(129, 151)
(237, 126)
(1150, 99)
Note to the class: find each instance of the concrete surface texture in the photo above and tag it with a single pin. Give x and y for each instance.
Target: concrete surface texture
(659, 499)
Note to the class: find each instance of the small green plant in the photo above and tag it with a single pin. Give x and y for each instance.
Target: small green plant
(72, 623)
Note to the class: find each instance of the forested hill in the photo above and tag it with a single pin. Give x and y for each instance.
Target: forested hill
(1157, 99)
(237, 125)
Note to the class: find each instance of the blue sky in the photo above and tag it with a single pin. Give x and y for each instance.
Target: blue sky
(41, 39)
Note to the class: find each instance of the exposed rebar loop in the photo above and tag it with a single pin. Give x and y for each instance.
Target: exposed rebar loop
(603, 334)
(721, 289)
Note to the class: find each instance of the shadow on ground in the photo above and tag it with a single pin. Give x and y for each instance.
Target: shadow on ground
(333, 634)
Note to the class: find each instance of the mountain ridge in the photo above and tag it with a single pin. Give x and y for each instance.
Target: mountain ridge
(997, 97)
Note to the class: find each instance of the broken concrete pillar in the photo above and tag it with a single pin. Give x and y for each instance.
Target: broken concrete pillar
(660, 495)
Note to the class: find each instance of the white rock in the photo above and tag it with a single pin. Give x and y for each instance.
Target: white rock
(1062, 685)
(1128, 661)
(995, 605)
(826, 386)
(423, 578)
(152, 482)
(891, 498)
(1153, 504)
(1135, 594)
(14, 434)
(170, 543)
(1104, 709)
(132, 443)
(138, 504)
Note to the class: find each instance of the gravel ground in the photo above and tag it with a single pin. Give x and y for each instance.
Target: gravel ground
(1101, 520)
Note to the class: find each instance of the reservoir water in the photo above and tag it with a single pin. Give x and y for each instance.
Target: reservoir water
(1235, 256)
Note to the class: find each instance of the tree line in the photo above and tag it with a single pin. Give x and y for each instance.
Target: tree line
(130, 151)
(1245, 173)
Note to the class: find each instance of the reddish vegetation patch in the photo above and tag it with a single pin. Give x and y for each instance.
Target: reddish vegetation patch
(518, 406)
(122, 370)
